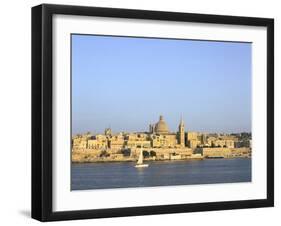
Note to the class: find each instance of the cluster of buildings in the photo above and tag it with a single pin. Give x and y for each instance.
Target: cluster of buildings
(159, 144)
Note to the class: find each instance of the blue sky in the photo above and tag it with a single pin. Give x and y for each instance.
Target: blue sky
(126, 83)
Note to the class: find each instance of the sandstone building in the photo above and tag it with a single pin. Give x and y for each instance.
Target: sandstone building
(160, 143)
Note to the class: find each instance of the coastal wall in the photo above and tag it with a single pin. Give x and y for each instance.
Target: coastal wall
(157, 154)
(224, 152)
(94, 155)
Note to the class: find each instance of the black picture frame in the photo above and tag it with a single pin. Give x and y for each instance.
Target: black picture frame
(42, 111)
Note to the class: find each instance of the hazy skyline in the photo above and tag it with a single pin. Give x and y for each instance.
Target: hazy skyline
(126, 83)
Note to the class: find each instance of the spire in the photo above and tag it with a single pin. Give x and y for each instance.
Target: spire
(181, 133)
(181, 122)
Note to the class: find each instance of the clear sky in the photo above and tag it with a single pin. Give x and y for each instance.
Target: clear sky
(126, 83)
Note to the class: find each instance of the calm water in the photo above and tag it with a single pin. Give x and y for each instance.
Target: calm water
(160, 173)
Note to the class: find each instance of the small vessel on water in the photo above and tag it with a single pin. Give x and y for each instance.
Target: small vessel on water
(140, 163)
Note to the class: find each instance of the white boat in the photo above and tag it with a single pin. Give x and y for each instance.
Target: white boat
(140, 161)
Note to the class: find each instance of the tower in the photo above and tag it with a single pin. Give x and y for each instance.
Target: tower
(107, 131)
(181, 134)
(151, 128)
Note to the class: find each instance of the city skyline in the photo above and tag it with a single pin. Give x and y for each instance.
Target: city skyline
(126, 83)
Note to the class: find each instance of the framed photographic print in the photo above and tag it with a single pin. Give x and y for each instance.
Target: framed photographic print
(145, 112)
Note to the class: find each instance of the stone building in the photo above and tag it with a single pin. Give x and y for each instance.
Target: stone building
(99, 141)
(162, 137)
(116, 141)
(158, 136)
(193, 139)
(221, 141)
(137, 140)
(159, 139)
(81, 141)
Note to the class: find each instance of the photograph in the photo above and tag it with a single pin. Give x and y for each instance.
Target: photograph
(150, 111)
(142, 112)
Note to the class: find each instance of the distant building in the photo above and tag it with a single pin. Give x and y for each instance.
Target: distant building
(161, 127)
(159, 137)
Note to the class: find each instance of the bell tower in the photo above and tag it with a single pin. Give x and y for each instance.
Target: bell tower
(181, 134)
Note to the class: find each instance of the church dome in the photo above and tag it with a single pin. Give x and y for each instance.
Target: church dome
(161, 126)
